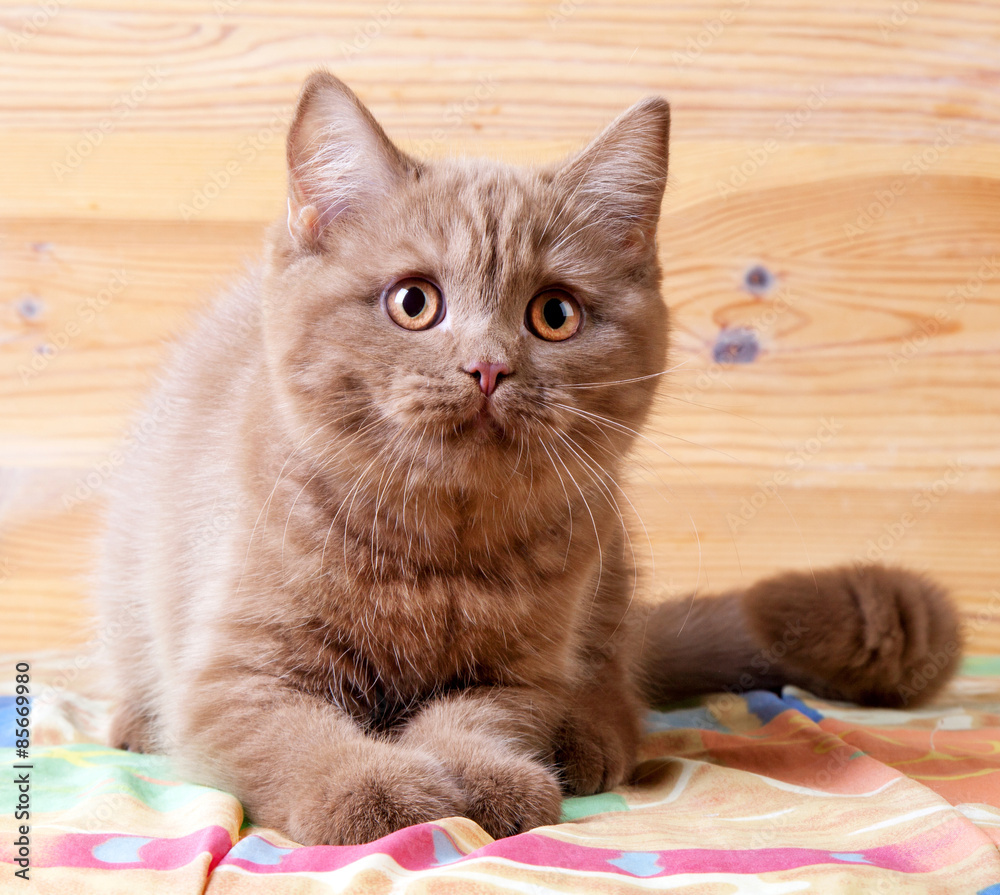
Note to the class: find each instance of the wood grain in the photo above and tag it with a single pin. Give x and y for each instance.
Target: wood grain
(850, 153)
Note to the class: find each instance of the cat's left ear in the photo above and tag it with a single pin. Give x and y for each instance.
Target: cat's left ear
(340, 161)
(621, 175)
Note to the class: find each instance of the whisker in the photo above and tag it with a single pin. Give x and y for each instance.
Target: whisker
(635, 433)
(569, 505)
(581, 454)
(609, 382)
(406, 488)
(593, 521)
(598, 420)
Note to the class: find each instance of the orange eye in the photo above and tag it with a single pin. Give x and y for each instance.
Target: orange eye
(554, 315)
(414, 304)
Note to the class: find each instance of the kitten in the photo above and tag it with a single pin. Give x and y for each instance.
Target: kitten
(371, 562)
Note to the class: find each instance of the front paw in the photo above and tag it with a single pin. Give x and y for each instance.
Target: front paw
(132, 729)
(507, 793)
(870, 634)
(373, 793)
(595, 753)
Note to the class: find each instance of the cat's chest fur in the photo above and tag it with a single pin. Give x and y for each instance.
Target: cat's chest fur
(377, 626)
(379, 646)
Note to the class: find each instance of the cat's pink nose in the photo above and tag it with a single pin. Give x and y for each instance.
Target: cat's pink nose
(487, 374)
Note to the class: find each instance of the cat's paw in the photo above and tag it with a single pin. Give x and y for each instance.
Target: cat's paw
(131, 730)
(869, 634)
(508, 793)
(379, 791)
(595, 753)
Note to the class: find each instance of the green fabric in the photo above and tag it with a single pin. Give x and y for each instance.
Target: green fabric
(585, 806)
(981, 666)
(61, 773)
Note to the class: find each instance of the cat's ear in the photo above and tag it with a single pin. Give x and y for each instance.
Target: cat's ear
(339, 159)
(621, 175)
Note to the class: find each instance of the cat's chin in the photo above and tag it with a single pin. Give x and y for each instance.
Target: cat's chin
(483, 428)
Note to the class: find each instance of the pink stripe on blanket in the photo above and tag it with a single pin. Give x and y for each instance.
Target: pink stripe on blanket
(110, 851)
(429, 846)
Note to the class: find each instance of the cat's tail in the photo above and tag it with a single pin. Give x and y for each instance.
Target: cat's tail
(869, 634)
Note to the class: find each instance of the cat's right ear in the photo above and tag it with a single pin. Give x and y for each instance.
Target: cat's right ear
(622, 174)
(340, 161)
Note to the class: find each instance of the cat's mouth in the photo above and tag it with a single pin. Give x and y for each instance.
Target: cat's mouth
(483, 425)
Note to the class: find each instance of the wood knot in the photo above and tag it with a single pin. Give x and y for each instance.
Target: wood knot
(738, 345)
(758, 280)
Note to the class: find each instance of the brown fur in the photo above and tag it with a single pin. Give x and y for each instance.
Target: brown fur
(363, 594)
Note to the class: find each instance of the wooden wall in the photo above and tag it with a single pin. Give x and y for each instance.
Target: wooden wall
(831, 238)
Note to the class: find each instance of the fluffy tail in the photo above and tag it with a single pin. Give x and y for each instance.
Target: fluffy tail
(869, 634)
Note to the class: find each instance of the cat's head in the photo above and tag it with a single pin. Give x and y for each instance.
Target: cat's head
(468, 319)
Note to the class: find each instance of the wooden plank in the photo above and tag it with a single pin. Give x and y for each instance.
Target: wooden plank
(850, 152)
(237, 177)
(228, 66)
(45, 559)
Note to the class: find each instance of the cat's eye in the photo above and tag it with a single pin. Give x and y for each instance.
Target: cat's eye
(554, 315)
(414, 304)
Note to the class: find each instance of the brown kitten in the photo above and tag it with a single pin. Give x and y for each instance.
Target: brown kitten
(372, 563)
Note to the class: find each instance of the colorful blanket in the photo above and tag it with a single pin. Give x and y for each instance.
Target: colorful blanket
(754, 793)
